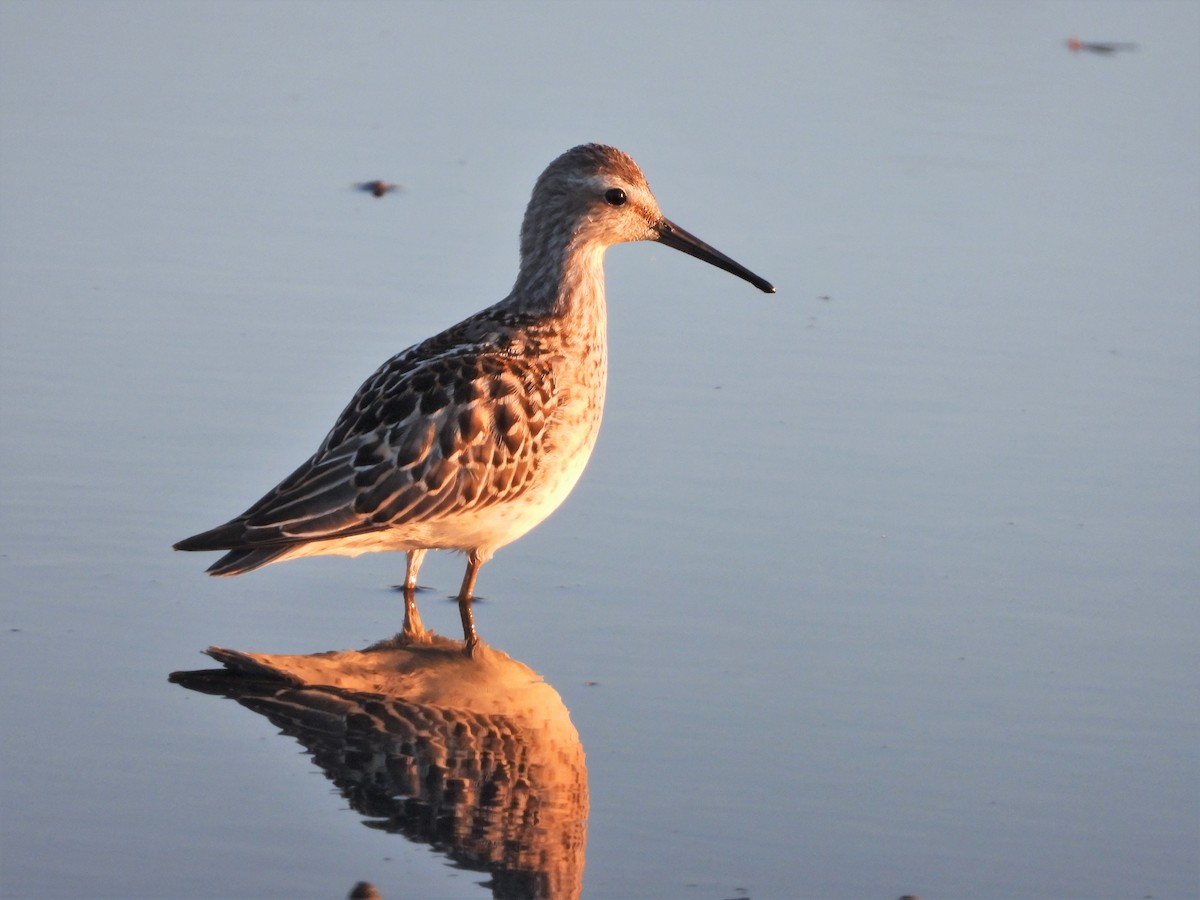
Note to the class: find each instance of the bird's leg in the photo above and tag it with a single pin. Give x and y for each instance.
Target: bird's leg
(414, 560)
(470, 638)
(413, 631)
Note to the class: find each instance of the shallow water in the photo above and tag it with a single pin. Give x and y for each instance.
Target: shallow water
(883, 584)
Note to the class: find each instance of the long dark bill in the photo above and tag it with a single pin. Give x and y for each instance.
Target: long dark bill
(673, 236)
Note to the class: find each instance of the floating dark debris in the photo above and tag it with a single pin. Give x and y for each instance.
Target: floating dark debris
(376, 188)
(1103, 47)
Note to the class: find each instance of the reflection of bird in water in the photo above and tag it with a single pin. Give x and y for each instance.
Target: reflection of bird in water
(471, 438)
(376, 188)
(1102, 47)
(477, 757)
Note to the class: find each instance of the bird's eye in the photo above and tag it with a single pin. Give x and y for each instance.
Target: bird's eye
(615, 197)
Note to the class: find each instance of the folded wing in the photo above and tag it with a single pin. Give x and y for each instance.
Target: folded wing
(419, 441)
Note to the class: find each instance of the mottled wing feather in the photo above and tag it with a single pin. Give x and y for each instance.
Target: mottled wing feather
(430, 434)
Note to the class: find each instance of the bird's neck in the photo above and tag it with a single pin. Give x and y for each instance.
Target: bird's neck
(564, 283)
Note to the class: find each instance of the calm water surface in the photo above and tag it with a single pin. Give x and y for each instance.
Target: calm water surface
(883, 584)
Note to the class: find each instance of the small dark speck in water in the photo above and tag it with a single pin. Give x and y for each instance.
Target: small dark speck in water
(376, 188)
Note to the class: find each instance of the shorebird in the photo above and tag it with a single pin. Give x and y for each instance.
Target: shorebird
(472, 437)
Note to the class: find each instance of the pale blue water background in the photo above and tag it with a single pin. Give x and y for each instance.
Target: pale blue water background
(894, 591)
